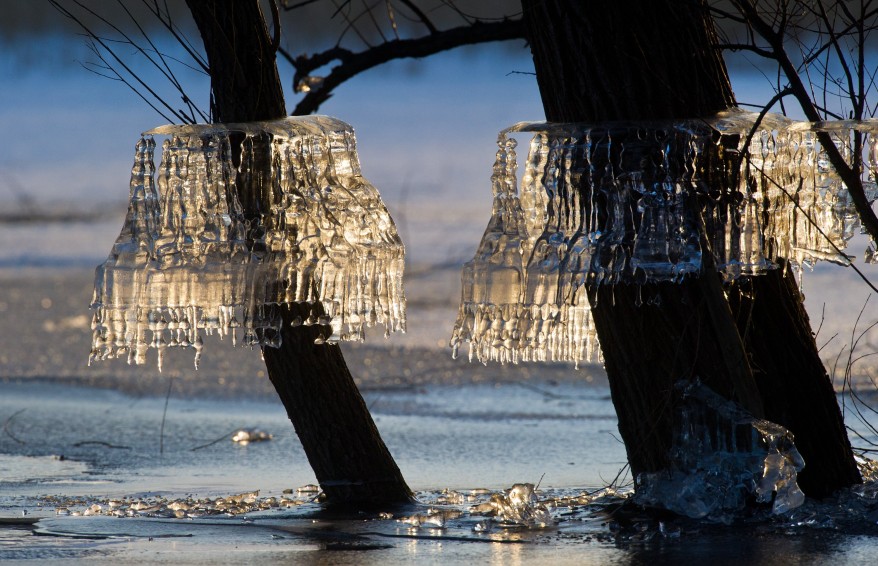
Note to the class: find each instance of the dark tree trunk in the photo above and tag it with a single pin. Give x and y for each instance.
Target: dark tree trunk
(796, 389)
(623, 60)
(342, 443)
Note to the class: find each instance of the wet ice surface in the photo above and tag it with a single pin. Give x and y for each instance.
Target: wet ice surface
(462, 448)
(490, 432)
(442, 437)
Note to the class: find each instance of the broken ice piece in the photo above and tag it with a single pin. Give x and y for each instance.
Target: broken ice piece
(518, 507)
(721, 457)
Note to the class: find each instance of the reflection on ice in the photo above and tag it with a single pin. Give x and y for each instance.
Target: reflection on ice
(208, 246)
(635, 203)
(720, 457)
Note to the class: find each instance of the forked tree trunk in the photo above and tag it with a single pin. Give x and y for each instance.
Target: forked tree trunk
(342, 443)
(632, 60)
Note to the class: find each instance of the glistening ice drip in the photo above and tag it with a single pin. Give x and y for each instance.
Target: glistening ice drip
(214, 245)
(626, 203)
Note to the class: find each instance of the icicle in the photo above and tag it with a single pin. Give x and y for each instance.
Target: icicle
(616, 203)
(187, 259)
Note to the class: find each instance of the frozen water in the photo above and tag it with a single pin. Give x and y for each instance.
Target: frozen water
(517, 506)
(510, 288)
(213, 247)
(636, 203)
(247, 435)
(720, 457)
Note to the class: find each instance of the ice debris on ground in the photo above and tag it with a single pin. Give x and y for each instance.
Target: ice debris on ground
(518, 506)
(211, 246)
(245, 436)
(180, 508)
(721, 456)
(601, 515)
(635, 203)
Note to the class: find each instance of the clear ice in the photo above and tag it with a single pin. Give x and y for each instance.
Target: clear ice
(634, 203)
(720, 457)
(517, 506)
(196, 257)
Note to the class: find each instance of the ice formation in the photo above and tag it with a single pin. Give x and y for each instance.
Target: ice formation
(720, 457)
(517, 506)
(210, 246)
(635, 203)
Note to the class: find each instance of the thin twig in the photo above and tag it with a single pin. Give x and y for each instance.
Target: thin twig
(175, 32)
(164, 414)
(100, 41)
(211, 443)
(9, 432)
(849, 175)
(813, 223)
(299, 4)
(100, 443)
(422, 17)
(275, 16)
(355, 63)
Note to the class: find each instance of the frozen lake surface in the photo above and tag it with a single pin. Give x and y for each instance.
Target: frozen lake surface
(449, 424)
(66, 449)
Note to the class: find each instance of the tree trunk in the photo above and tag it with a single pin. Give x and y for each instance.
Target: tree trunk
(623, 60)
(795, 387)
(342, 443)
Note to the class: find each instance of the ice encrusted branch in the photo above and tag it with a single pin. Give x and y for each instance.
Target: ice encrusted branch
(848, 172)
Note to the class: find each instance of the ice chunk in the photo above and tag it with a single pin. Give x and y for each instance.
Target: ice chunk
(518, 506)
(211, 247)
(245, 436)
(720, 457)
(635, 203)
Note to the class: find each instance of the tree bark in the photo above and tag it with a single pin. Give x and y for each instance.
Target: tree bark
(341, 441)
(795, 387)
(623, 60)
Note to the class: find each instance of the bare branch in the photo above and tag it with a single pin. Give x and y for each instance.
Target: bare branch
(116, 76)
(355, 63)
(275, 16)
(301, 4)
(842, 32)
(392, 17)
(849, 175)
(725, 14)
(164, 68)
(175, 33)
(774, 100)
(103, 44)
(834, 41)
(420, 15)
(767, 54)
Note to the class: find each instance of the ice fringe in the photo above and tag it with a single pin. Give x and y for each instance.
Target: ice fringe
(208, 246)
(721, 457)
(616, 203)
